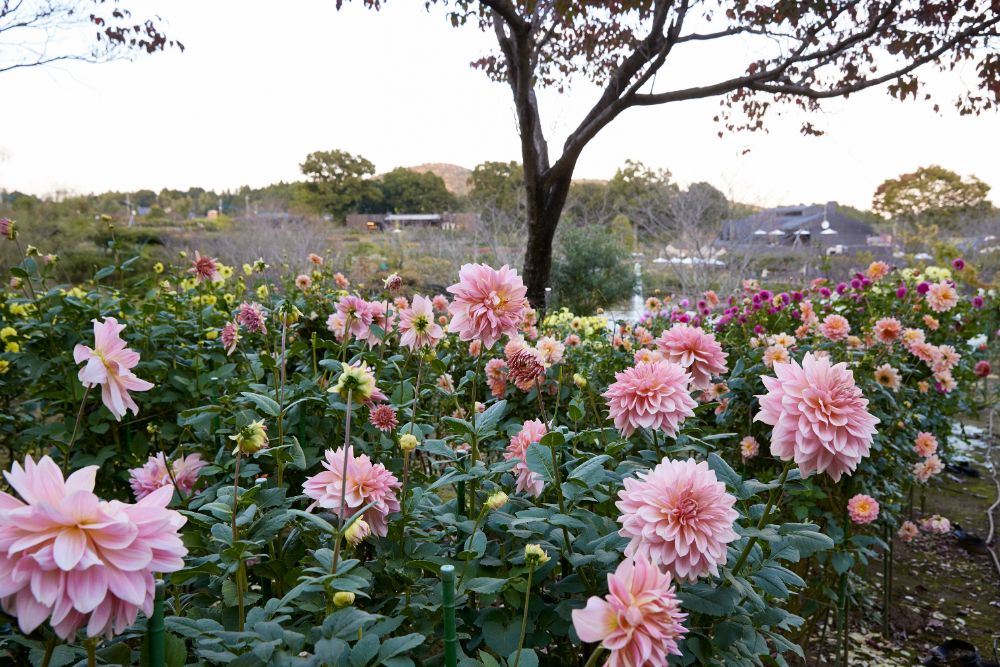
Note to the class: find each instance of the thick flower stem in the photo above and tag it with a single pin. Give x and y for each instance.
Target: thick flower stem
(343, 483)
(76, 429)
(473, 483)
(91, 645)
(50, 646)
(281, 403)
(524, 617)
(236, 537)
(592, 660)
(771, 500)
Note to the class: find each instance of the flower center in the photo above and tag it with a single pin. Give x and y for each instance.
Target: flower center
(686, 510)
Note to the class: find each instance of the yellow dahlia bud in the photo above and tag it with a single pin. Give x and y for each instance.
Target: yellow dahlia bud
(579, 380)
(535, 555)
(356, 379)
(8, 332)
(358, 531)
(497, 500)
(247, 269)
(408, 442)
(12, 347)
(158, 267)
(251, 438)
(343, 599)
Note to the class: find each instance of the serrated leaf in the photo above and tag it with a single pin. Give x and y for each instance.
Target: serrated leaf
(539, 460)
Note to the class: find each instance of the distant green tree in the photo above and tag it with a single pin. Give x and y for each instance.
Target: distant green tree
(643, 194)
(339, 183)
(591, 269)
(496, 190)
(408, 191)
(933, 196)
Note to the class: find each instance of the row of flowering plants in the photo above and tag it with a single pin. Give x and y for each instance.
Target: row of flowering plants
(297, 458)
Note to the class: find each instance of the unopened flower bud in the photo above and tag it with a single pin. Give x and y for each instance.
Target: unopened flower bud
(579, 380)
(535, 555)
(393, 282)
(358, 531)
(408, 442)
(497, 500)
(343, 599)
(251, 438)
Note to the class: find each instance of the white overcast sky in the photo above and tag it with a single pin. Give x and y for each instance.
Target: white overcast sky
(257, 89)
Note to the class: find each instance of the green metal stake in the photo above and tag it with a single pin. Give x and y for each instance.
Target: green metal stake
(460, 492)
(216, 425)
(157, 649)
(448, 597)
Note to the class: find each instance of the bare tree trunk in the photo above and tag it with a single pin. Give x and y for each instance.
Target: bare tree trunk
(546, 199)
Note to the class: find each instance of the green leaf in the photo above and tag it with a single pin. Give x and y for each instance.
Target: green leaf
(528, 658)
(553, 439)
(363, 652)
(486, 585)
(489, 418)
(842, 561)
(725, 472)
(727, 633)
(265, 403)
(396, 645)
(539, 460)
(705, 599)
(318, 522)
(298, 456)
(590, 472)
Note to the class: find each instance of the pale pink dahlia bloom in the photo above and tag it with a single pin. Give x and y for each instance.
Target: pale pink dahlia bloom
(679, 516)
(440, 303)
(942, 297)
(496, 377)
(695, 351)
(356, 314)
(230, 337)
(936, 524)
(525, 368)
(749, 447)
(383, 417)
(930, 466)
(488, 303)
(835, 327)
(252, 316)
(925, 444)
(653, 395)
(417, 327)
(862, 509)
(551, 349)
(381, 318)
(639, 621)
(820, 417)
(888, 329)
(908, 531)
(527, 482)
(110, 365)
(72, 558)
(154, 475)
(366, 483)
(204, 268)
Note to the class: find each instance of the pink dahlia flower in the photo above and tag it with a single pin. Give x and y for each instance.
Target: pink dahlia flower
(251, 315)
(695, 351)
(526, 368)
(417, 327)
(110, 365)
(527, 481)
(820, 417)
(366, 483)
(936, 524)
(552, 349)
(381, 318)
(204, 268)
(496, 377)
(835, 327)
(383, 417)
(651, 395)
(888, 329)
(303, 281)
(154, 475)
(488, 303)
(639, 621)
(749, 447)
(908, 531)
(230, 337)
(930, 466)
(862, 509)
(925, 444)
(440, 303)
(341, 280)
(983, 368)
(679, 516)
(74, 559)
(942, 297)
(356, 314)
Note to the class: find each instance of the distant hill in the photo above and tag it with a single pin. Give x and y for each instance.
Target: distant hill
(455, 177)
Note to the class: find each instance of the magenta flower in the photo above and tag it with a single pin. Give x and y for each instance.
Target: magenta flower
(74, 559)
(417, 327)
(488, 303)
(527, 481)
(819, 415)
(639, 621)
(862, 509)
(367, 482)
(110, 365)
(153, 474)
(983, 368)
(651, 395)
(695, 351)
(679, 516)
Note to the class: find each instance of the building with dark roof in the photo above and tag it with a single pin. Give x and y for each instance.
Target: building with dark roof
(803, 225)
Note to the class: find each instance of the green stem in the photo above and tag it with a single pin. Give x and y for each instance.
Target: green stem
(524, 616)
(474, 453)
(76, 428)
(91, 645)
(236, 537)
(592, 660)
(343, 483)
(448, 603)
(465, 564)
(50, 646)
(772, 498)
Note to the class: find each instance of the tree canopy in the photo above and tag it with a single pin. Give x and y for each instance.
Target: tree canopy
(787, 54)
(933, 196)
(408, 191)
(340, 183)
